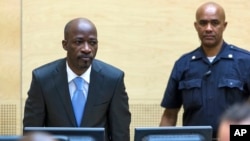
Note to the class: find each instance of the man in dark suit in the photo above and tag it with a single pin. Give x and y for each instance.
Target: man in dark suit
(49, 101)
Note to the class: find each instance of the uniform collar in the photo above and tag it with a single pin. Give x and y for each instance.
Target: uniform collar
(225, 52)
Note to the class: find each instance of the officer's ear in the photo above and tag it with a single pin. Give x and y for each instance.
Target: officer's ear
(224, 25)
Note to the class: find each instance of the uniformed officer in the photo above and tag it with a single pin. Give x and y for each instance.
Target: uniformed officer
(209, 79)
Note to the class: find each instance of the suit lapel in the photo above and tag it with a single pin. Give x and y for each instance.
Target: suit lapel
(61, 82)
(95, 87)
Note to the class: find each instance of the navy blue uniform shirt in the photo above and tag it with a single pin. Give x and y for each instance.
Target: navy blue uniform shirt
(206, 89)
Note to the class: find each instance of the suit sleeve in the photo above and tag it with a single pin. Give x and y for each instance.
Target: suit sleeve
(119, 115)
(34, 110)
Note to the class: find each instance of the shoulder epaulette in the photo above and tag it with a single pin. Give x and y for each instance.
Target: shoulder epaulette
(233, 47)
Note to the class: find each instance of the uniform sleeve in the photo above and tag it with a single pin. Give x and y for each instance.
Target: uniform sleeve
(172, 95)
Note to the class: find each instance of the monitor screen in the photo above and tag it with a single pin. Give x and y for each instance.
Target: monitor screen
(173, 133)
(73, 133)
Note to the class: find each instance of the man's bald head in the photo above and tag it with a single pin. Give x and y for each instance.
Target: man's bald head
(210, 24)
(38, 136)
(78, 22)
(211, 7)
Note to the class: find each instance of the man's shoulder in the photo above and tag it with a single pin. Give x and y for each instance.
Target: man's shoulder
(189, 55)
(104, 66)
(51, 65)
(237, 49)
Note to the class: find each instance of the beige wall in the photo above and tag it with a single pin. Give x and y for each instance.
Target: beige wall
(10, 64)
(142, 37)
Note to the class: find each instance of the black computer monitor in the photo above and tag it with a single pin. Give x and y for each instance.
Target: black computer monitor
(174, 133)
(73, 133)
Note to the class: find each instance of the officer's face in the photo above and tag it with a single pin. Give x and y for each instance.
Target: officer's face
(210, 25)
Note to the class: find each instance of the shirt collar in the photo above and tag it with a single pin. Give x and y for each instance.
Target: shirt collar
(72, 75)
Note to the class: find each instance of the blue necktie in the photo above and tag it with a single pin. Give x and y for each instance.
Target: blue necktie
(78, 100)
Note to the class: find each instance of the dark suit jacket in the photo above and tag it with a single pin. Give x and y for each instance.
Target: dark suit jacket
(49, 103)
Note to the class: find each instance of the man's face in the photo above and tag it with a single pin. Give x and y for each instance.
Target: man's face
(81, 45)
(210, 25)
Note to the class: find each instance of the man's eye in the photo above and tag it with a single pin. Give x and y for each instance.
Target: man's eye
(92, 43)
(215, 22)
(203, 23)
(78, 42)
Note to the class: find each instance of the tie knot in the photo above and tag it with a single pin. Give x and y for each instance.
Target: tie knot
(79, 83)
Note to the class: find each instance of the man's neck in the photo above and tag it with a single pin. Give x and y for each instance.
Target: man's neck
(212, 51)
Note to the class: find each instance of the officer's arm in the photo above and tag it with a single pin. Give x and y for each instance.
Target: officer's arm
(169, 117)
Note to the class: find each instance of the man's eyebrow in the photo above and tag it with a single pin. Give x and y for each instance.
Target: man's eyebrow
(209, 20)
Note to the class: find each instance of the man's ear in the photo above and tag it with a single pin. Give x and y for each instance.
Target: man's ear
(196, 25)
(64, 44)
(225, 25)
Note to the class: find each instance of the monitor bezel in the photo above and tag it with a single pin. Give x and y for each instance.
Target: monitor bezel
(97, 133)
(141, 132)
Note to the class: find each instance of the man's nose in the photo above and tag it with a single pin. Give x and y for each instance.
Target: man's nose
(209, 27)
(86, 47)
